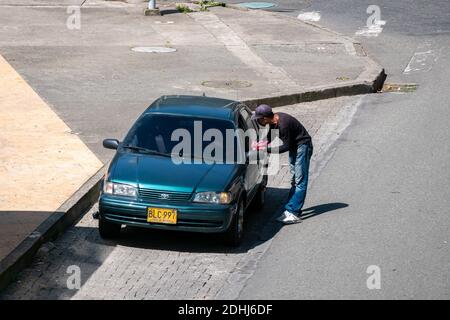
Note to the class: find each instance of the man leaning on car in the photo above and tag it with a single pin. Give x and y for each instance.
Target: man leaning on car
(298, 142)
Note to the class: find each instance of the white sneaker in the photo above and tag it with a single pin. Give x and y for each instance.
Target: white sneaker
(291, 218)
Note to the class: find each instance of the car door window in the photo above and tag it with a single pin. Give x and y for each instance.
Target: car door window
(243, 126)
(248, 119)
(250, 124)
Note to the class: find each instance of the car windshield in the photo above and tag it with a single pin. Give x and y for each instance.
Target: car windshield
(183, 136)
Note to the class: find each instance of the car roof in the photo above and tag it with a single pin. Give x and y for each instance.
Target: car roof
(196, 106)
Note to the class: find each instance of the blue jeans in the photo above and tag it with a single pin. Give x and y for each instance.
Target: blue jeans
(299, 165)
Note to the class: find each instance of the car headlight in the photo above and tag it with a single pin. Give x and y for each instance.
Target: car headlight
(213, 197)
(120, 189)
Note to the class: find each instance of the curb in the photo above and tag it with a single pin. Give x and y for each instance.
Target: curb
(66, 215)
(324, 92)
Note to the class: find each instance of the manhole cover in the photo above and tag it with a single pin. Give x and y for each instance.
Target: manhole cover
(257, 5)
(399, 87)
(153, 49)
(232, 84)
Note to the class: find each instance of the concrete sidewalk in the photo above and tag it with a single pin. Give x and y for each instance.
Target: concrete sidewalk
(86, 85)
(41, 164)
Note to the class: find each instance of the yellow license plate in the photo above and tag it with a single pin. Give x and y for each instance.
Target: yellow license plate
(162, 215)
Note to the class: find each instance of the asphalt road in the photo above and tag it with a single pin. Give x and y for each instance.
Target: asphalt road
(392, 168)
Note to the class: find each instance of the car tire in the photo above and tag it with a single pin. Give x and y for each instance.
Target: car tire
(233, 236)
(108, 230)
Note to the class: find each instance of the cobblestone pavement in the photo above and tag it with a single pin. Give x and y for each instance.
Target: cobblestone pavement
(148, 264)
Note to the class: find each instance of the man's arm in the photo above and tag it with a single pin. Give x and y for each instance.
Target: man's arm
(281, 149)
(285, 137)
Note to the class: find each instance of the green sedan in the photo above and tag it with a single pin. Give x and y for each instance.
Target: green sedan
(186, 164)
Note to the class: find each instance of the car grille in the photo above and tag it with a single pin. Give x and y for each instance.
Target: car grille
(165, 196)
(194, 223)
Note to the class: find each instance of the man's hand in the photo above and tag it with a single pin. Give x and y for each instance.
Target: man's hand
(261, 145)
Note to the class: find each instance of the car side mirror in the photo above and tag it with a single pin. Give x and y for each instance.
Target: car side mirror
(111, 144)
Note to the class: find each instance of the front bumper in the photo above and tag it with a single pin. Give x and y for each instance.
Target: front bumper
(194, 217)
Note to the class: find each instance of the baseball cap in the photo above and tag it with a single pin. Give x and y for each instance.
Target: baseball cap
(263, 110)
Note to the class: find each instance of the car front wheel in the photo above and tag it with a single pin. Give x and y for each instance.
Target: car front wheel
(234, 234)
(108, 230)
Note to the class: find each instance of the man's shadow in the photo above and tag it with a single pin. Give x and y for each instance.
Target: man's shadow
(262, 225)
(322, 208)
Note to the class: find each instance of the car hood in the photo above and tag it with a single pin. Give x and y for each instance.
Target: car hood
(160, 173)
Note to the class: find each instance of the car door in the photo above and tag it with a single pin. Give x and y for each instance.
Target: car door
(252, 169)
(263, 157)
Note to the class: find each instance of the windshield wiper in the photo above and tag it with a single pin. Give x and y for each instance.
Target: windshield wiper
(195, 156)
(147, 151)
